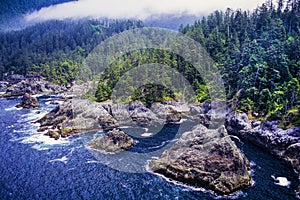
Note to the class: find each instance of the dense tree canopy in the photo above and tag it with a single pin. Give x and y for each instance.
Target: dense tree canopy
(258, 54)
(55, 49)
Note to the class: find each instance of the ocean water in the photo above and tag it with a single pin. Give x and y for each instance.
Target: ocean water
(34, 166)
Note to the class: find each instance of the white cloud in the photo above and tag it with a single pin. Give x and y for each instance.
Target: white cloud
(139, 9)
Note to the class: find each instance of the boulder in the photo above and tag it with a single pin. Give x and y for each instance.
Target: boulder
(114, 141)
(206, 158)
(121, 113)
(28, 101)
(166, 113)
(173, 115)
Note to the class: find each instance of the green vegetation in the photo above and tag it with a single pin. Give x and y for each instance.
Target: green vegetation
(258, 54)
(149, 93)
(55, 49)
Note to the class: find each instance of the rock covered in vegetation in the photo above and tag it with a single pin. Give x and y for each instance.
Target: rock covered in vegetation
(113, 142)
(28, 101)
(32, 87)
(285, 144)
(206, 158)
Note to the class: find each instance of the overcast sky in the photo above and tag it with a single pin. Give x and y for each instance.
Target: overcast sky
(139, 9)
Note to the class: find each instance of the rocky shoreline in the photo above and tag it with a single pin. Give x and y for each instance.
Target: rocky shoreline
(33, 87)
(284, 144)
(81, 115)
(213, 163)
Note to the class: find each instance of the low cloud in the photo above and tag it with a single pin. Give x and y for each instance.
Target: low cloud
(138, 9)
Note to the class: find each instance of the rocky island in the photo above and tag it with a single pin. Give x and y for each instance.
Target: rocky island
(114, 141)
(205, 158)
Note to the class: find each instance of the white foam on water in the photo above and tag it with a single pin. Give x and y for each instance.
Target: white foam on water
(282, 181)
(43, 142)
(146, 129)
(92, 161)
(234, 195)
(33, 115)
(38, 95)
(252, 172)
(12, 108)
(63, 159)
(160, 146)
(57, 102)
(124, 127)
(146, 134)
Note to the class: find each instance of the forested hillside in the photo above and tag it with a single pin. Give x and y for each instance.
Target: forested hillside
(259, 55)
(55, 49)
(257, 52)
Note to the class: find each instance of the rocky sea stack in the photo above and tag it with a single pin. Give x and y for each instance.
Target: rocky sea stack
(113, 142)
(28, 101)
(205, 158)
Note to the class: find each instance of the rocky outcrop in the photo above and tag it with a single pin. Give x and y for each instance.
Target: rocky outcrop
(285, 144)
(114, 141)
(32, 87)
(135, 113)
(80, 115)
(206, 158)
(28, 101)
(76, 115)
(208, 114)
(166, 113)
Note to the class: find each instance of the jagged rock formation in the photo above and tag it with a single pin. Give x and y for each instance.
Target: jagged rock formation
(206, 158)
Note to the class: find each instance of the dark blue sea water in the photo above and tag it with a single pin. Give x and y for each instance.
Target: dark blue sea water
(33, 166)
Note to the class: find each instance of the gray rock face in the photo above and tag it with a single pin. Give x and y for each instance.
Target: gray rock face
(32, 87)
(76, 115)
(283, 143)
(28, 101)
(135, 113)
(206, 158)
(210, 115)
(80, 115)
(114, 141)
(173, 115)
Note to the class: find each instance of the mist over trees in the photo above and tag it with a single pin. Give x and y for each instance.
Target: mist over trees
(257, 52)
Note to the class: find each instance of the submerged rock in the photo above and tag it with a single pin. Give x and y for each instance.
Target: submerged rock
(113, 142)
(206, 158)
(28, 101)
